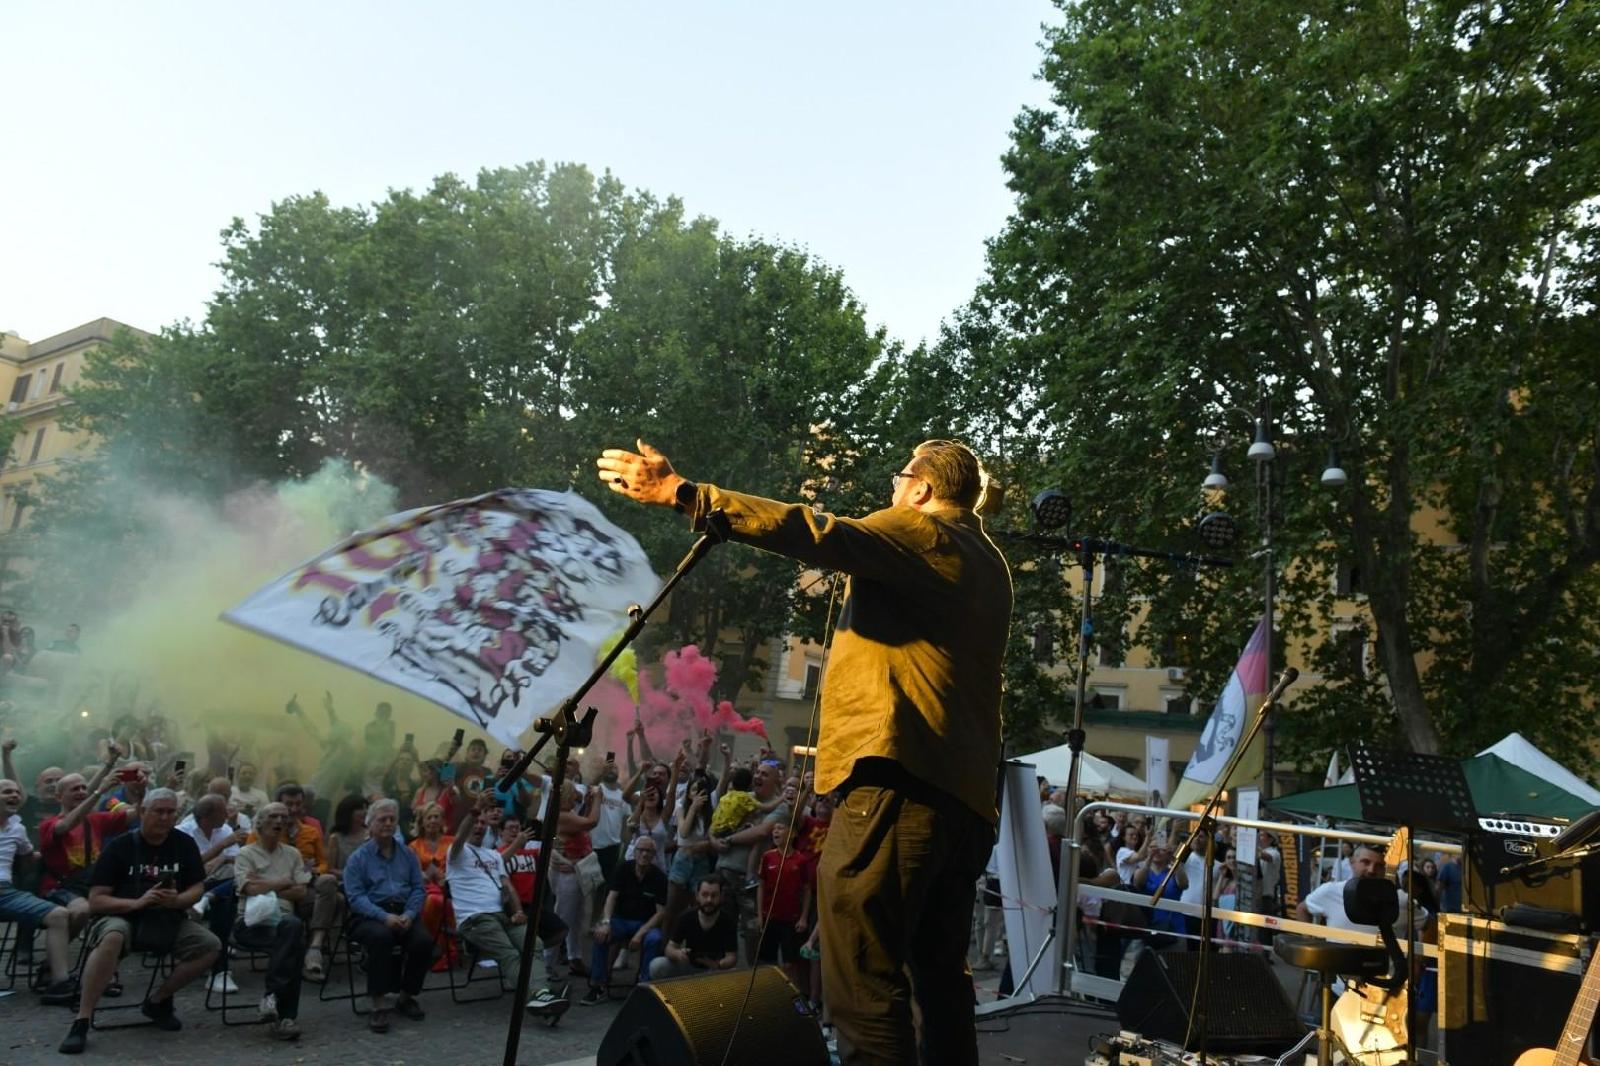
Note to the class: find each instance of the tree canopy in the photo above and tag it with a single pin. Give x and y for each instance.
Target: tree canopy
(1381, 219)
(473, 336)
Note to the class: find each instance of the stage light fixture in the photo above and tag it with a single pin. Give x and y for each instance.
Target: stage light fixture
(1218, 531)
(1051, 509)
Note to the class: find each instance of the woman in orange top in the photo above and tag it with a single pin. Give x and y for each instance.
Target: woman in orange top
(432, 846)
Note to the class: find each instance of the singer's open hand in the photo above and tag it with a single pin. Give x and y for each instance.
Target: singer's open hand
(645, 475)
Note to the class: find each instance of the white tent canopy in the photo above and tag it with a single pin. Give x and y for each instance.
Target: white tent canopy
(1094, 774)
(1521, 752)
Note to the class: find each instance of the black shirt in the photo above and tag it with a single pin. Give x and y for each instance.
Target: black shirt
(130, 865)
(637, 900)
(705, 946)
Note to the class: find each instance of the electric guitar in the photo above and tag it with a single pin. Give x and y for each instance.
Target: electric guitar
(1574, 1033)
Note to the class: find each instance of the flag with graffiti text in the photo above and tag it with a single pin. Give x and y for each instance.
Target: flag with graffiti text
(492, 607)
(1230, 720)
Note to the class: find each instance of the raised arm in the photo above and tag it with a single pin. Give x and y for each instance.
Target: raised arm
(7, 770)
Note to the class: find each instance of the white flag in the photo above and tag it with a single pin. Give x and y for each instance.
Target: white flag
(1331, 778)
(492, 607)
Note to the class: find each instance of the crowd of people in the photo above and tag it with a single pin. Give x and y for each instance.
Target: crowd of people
(662, 866)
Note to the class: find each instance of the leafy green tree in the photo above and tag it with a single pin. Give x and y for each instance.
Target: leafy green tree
(473, 336)
(1382, 218)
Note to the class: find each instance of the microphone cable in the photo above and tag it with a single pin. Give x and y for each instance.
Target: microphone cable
(794, 815)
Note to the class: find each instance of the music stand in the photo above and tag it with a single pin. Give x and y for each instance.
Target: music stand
(1412, 791)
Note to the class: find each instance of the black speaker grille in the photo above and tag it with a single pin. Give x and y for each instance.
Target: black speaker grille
(1249, 1010)
(687, 1021)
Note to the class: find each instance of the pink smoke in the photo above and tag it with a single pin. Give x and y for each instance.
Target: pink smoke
(684, 706)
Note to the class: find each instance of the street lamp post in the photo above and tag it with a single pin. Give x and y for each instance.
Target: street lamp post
(1264, 455)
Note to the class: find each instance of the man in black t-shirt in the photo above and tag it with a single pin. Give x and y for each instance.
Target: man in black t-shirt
(632, 917)
(140, 891)
(704, 939)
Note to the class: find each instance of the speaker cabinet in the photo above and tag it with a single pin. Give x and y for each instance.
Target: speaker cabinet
(1249, 1010)
(1504, 989)
(690, 1021)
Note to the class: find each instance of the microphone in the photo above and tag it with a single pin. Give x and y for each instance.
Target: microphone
(1289, 676)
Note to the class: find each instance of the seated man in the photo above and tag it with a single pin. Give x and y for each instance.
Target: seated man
(219, 844)
(270, 865)
(322, 899)
(484, 896)
(631, 917)
(140, 892)
(705, 938)
(19, 906)
(383, 885)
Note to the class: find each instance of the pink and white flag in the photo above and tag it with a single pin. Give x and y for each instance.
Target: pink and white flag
(492, 607)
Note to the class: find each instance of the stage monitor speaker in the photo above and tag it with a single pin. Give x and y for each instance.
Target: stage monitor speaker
(1249, 1010)
(687, 1021)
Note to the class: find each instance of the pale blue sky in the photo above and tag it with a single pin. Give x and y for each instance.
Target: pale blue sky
(869, 133)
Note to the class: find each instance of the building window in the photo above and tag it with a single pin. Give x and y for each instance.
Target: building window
(1044, 644)
(1347, 580)
(55, 379)
(16, 514)
(1175, 702)
(1351, 650)
(1108, 699)
(813, 679)
(19, 391)
(38, 442)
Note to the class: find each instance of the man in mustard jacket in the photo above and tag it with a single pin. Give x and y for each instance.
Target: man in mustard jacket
(910, 735)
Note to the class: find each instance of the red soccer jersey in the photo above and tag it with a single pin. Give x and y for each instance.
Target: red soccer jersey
(809, 838)
(519, 868)
(64, 856)
(784, 893)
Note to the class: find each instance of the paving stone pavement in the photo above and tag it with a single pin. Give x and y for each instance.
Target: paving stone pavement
(463, 1033)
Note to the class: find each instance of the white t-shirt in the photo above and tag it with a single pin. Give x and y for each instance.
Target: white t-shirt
(475, 875)
(221, 833)
(613, 810)
(1327, 901)
(1194, 868)
(1126, 865)
(13, 842)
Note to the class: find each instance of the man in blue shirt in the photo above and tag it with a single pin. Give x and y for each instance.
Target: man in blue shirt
(383, 886)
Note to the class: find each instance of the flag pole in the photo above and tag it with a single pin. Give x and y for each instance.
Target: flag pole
(570, 732)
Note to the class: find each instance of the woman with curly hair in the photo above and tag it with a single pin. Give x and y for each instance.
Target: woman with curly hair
(432, 847)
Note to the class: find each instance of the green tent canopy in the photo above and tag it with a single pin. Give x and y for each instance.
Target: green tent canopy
(1498, 787)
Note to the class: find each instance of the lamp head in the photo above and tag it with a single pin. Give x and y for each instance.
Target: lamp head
(1261, 450)
(1216, 480)
(1333, 476)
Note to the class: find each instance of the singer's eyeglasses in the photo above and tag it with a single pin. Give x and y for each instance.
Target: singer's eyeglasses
(894, 479)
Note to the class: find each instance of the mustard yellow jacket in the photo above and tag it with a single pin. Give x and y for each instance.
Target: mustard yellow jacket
(914, 674)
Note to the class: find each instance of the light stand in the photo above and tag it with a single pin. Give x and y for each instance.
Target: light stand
(1086, 549)
(570, 731)
(1208, 826)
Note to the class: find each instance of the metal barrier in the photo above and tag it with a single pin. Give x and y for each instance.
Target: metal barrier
(1074, 981)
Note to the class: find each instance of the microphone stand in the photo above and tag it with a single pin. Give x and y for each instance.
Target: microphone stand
(571, 732)
(1208, 821)
(1086, 548)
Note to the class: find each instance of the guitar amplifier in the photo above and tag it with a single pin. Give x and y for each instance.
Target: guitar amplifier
(1505, 842)
(1503, 989)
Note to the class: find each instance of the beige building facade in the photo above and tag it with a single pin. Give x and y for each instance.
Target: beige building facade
(34, 379)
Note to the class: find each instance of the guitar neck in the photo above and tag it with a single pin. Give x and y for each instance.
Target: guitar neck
(1580, 1018)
